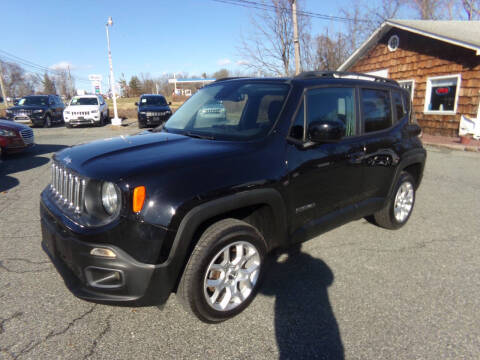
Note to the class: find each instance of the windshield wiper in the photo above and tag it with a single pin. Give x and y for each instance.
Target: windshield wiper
(198, 136)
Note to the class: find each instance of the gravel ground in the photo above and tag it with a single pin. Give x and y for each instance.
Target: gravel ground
(358, 292)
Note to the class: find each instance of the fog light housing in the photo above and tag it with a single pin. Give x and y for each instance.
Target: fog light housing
(103, 253)
(104, 278)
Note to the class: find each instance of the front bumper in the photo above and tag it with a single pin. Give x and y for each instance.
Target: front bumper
(90, 120)
(30, 120)
(153, 120)
(131, 282)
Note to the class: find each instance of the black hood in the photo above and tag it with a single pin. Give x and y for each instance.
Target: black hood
(118, 158)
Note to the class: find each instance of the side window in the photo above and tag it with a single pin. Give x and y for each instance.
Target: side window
(332, 104)
(376, 110)
(296, 131)
(399, 106)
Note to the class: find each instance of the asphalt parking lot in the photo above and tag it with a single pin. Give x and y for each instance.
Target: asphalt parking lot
(358, 291)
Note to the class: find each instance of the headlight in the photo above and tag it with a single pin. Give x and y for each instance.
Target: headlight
(94, 111)
(142, 112)
(7, 133)
(110, 198)
(67, 112)
(38, 111)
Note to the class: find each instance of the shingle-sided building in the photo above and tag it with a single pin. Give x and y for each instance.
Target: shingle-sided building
(437, 61)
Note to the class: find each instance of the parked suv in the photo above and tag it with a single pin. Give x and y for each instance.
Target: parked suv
(37, 110)
(194, 207)
(153, 110)
(86, 110)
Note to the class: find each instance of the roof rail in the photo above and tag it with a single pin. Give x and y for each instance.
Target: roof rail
(343, 74)
(231, 78)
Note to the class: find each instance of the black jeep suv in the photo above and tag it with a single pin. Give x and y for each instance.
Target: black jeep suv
(37, 110)
(194, 206)
(153, 110)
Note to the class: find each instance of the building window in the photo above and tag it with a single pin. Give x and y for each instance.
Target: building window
(408, 85)
(442, 94)
(393, 43)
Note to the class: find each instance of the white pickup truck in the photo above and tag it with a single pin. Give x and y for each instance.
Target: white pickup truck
(85, 110)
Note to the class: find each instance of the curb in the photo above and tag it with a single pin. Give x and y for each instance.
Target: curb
(458, 147)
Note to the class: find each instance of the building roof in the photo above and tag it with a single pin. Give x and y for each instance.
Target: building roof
(461, 33)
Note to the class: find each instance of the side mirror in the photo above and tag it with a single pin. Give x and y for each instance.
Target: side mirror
(136, 104)
(326, 131)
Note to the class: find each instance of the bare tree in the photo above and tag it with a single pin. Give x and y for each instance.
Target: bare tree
(331, 52)
(471, 9)
(269, 48)
(433, 9)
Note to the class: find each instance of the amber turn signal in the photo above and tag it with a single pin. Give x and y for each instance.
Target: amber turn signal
(138, 198)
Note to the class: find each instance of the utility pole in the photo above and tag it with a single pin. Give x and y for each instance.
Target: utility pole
(4, 94)
(115, 120)
(295, 37)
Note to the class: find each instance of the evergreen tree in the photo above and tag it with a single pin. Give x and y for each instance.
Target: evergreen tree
(135, 86)
(48, 85)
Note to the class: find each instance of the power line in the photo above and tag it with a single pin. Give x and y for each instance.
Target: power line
(262, 6)
(38, 67)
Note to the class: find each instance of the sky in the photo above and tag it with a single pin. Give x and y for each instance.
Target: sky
(147, 36)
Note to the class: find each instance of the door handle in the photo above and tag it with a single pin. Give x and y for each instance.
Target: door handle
(356, 157)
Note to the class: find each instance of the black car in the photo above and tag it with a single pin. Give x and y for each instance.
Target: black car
(194, 206)
(37, 110)
(153, 110)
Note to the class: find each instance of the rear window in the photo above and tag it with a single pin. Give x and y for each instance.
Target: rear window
(376, 110)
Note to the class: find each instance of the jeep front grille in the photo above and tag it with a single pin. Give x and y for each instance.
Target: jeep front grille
(67, 188)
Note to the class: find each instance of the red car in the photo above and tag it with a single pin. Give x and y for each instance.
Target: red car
(14, 137)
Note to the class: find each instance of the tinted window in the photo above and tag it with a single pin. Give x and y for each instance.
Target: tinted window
(33, 100)
(399, 106)
(376, 110)
(332, 104)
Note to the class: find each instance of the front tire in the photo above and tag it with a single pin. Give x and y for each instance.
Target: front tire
(224, 271)
(400, 206)
(48, 121)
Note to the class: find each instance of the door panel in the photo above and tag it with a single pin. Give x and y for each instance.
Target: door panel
(380, 141)
(325, 180)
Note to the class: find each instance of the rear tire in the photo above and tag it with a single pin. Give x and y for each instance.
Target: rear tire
(224, 271)
(400, 205)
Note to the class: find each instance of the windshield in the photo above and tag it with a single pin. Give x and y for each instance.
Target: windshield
(153, 100)
(230, 111)
(84, 101)
(34, 100)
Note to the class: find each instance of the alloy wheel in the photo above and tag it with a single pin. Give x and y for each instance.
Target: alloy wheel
(231, 276)
(403, 202)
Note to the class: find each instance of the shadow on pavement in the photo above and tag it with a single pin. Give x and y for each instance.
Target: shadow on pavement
(14, 163)
(305, 326)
